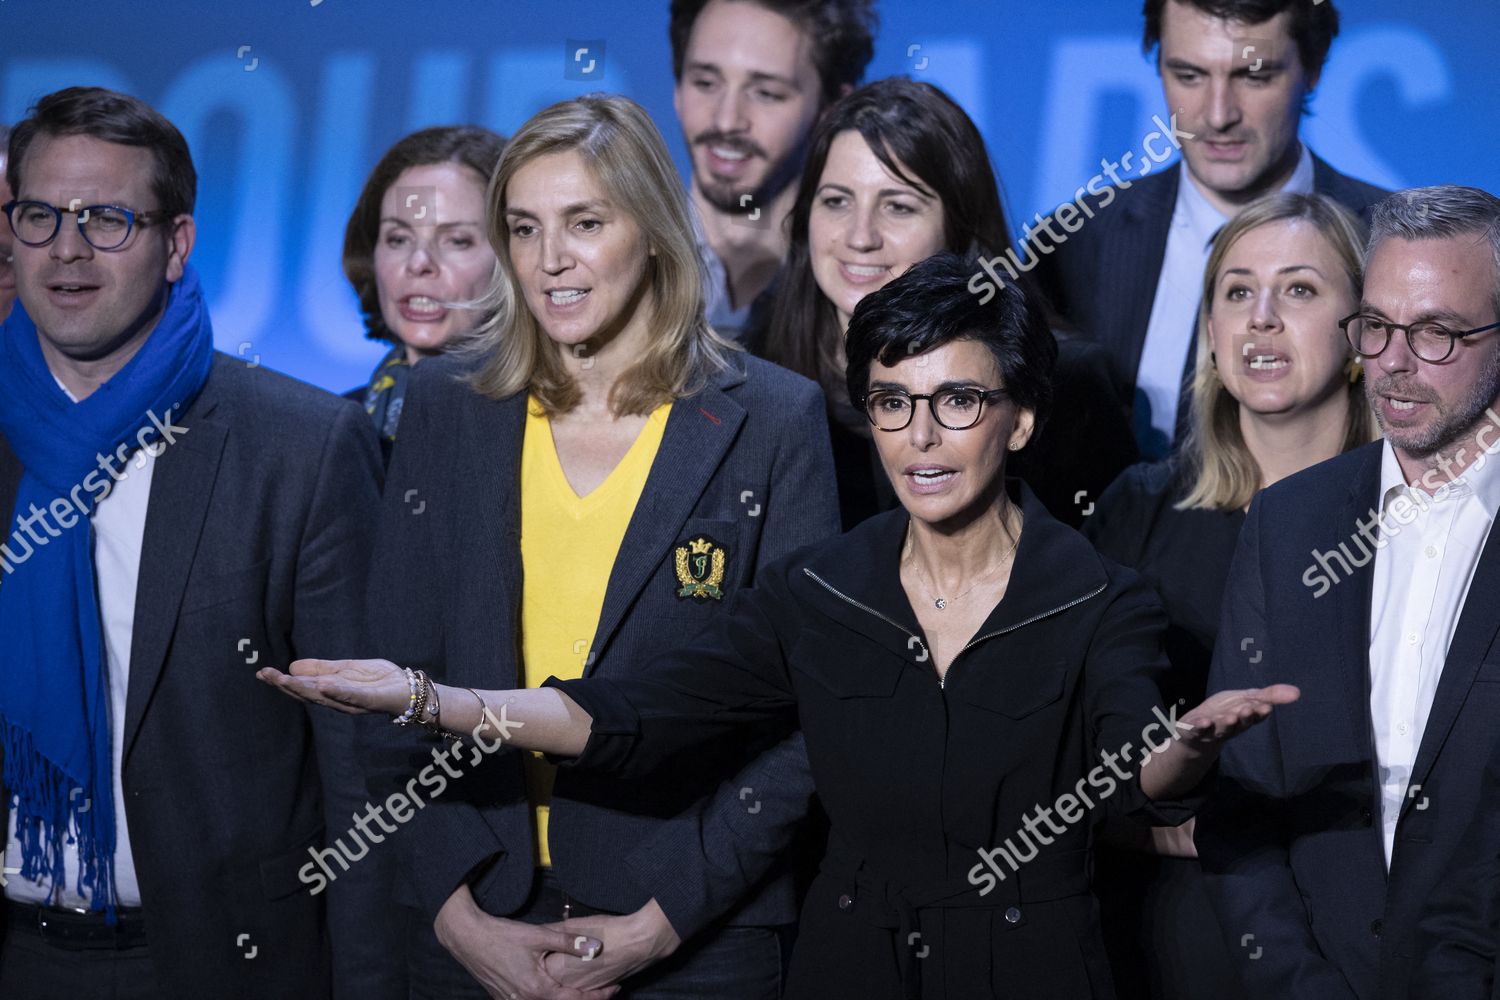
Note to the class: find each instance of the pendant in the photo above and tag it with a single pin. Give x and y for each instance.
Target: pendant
(940, 603)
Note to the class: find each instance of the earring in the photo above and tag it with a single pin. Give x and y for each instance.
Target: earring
(1355, 369)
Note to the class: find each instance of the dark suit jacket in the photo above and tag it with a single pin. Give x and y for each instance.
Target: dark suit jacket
(1103, 279)
(1291, 841)
(257, 536)
(1456, 938)
(745, 461)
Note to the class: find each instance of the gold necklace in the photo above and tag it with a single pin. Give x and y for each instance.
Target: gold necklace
(941, 603)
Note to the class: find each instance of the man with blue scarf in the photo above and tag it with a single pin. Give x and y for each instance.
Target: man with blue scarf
(172, 519)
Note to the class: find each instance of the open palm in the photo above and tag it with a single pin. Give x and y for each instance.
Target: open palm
(1224, 715)
(353, 686)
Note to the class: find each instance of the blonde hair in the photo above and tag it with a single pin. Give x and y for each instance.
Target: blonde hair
(1223, 473)
(626, 155)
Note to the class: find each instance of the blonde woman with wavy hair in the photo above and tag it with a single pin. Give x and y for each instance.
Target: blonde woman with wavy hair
(1275, 390)
(599, 475)
(1230, 443)
(630, 167)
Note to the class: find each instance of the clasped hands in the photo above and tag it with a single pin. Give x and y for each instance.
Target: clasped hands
(583, 958)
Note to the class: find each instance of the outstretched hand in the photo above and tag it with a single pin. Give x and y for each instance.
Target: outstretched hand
(1185, 760)
(352, 686)
(1225, 715)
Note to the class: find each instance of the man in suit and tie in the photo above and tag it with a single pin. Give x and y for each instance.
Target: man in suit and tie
(173, 517)
(1237, 76)
(1368, 581)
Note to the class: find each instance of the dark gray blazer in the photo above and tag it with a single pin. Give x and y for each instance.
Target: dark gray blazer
(746, 461)
(258, 528)
(1103, 279)
(1290, 843)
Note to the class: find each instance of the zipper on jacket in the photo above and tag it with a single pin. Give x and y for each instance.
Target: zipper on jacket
(943, 680)
(1035, 617)
(865, 607)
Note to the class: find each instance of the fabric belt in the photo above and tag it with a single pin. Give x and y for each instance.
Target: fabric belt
(894, 903)
(78, 931)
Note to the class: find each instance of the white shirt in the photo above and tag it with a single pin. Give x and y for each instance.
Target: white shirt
(1179, 289)
(119, 526)
(1421, 579)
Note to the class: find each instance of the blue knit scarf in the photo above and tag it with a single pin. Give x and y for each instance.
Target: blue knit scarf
(54, 692)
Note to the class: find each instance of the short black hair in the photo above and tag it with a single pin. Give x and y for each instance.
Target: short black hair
(842, 33)
(931, 305)
(1315, 23)
(111, 117)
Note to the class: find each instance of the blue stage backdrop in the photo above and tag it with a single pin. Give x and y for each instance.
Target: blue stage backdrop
(287, 104)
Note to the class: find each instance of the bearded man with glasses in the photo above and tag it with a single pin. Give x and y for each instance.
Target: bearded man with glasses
(1369, 581)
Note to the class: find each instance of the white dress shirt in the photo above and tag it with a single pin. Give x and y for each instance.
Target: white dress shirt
(1421, 579)
(1179, 288)
(119, 526)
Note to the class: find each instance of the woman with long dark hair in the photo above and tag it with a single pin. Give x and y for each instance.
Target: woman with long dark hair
(896, 171)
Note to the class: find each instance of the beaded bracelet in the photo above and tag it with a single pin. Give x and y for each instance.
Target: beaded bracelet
(406, 718)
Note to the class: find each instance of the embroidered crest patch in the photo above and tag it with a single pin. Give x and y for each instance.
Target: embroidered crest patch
(700, 568)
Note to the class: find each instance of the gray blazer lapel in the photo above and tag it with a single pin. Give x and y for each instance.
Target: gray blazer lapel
(494, 437)
(699, 432)
(182, 482)
(489, 525)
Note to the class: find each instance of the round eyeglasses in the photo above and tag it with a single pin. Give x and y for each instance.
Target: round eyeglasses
(1431, 342)
(957, 409)
(104, 227)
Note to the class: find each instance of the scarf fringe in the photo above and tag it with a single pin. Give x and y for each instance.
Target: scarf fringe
(69, 818)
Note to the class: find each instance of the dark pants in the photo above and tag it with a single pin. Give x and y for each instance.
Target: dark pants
(33, 969)
(731, 963)
(1163, 936)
